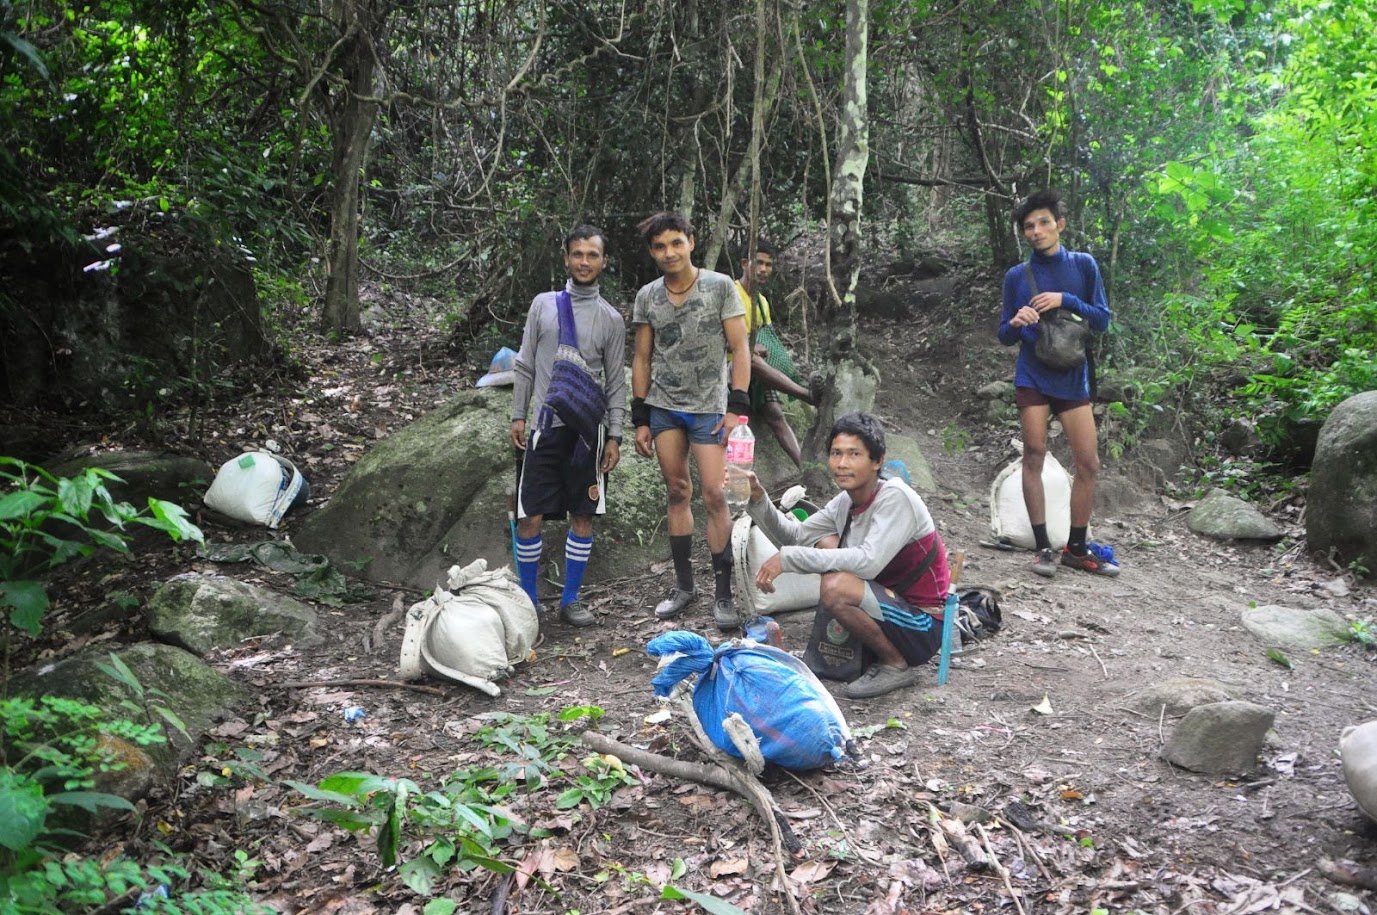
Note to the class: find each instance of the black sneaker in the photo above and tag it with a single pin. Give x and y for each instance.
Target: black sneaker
(675, 603)
(1045, 563)
(724, 614)
(576, 613)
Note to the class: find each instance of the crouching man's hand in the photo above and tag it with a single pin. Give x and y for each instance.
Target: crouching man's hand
(757, 491)
(770, 569)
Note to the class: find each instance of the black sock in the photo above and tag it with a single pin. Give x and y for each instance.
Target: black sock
(1076, 544)
(680, 550)
(1040, 537)
(722, 574)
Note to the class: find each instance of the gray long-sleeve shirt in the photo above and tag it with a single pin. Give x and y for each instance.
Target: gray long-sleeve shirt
(889, 537)
(602, 341)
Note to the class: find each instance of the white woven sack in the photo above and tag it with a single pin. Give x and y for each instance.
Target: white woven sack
(1358, 749)
(1009, 516)
(257, 487)
(473, 634)
(750, 549)
(501, 590)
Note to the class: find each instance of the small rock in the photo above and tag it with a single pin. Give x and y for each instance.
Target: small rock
(1336, 588)
(1225, 517)
(1222, 738)
(1289, 627)
(995, 390)
(1178, 695)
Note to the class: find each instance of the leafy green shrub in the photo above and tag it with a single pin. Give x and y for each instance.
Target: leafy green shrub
(51, 752)
(464, 822)
(46, 520)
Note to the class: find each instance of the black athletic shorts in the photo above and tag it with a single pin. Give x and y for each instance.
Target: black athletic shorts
(914, 631)
(550, 482)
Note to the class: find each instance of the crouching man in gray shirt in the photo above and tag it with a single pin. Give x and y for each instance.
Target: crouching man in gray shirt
(883, 564)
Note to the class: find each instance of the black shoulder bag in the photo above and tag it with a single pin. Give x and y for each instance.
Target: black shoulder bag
(1062, 336)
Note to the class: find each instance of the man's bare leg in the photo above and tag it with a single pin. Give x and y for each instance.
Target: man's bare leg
(1033, 421)
(776, 380)
(784, 433)
(1080, 434)
(841, 596)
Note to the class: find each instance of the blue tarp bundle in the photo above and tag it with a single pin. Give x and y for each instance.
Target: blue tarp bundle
(796, 720)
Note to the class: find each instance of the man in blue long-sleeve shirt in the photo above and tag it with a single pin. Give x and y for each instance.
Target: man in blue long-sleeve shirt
(1069, 280)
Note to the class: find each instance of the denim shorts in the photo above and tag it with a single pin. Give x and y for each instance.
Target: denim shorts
(697, 426)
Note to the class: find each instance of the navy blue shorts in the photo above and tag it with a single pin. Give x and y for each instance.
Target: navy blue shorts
(915, 632)
(697, 426)
(551, 482)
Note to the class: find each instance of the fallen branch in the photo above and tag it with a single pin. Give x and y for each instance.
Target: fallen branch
(396, 684)
(726, 773)
(665, 765)
(391, 617)
(966, 846)
(1000, 869)
(1348, 873)
(1098, 658)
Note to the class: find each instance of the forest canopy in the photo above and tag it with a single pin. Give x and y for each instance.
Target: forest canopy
(1217, 155)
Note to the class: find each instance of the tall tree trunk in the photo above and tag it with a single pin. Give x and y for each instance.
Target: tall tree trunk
(352, 119)
(852, 379)
(763, 103)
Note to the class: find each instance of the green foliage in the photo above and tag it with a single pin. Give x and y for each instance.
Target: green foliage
(1279, 222)
(709, 903)
(46, 521)
(51, 752)
(464, 822)
(1361, 632)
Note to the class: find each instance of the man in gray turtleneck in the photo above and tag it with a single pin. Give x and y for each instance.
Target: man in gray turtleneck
(558, 476)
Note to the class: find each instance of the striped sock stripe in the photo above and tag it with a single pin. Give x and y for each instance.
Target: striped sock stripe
(578, 548)
(529, 550)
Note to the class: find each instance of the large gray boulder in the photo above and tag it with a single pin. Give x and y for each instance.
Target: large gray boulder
(205, 613)
(1225, 517)
(1342, 511)
(435, 494)
(906, 448)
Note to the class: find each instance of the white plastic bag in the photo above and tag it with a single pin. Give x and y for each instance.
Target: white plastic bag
(1009, 516)
(473, 633)
(258, 487)
(750, 549)
(1358, 749)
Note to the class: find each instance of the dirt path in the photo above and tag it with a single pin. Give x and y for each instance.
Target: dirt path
(1128, 832)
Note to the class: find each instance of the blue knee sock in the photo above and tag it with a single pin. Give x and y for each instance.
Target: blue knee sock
(528, 564)
(576, 552)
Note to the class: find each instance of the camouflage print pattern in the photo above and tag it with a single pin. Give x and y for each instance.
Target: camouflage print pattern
(688, 369)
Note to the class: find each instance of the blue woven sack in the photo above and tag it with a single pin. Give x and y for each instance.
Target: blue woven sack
(796, 721)
(574, 395)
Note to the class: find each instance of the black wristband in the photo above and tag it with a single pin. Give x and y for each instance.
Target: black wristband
(615, 438)
(738, 402)
(640, 412)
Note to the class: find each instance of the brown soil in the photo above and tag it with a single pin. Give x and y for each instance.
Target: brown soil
(1129, 832)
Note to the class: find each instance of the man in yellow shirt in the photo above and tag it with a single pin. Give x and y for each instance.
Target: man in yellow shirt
(768, 381)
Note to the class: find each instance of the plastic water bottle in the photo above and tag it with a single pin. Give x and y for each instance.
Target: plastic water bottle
(740, 460)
